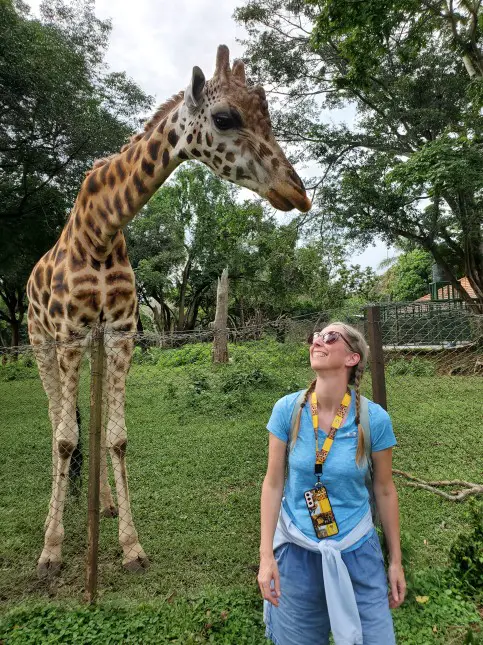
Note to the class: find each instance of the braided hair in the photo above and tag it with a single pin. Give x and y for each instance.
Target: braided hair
(359, 345)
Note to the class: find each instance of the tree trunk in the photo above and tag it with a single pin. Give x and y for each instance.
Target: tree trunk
(242, 312)
(15, 327)
(220, 341)
(182, 294)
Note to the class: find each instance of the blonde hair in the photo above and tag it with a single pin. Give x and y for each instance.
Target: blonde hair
(359, 346)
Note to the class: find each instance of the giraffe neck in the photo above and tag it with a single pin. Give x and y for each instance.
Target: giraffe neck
(114, 192)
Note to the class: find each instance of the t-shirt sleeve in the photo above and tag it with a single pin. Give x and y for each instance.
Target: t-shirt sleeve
(279, 422)
(382, 434)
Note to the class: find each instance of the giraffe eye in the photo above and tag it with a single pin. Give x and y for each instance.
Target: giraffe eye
(228, 120)
(224, 121)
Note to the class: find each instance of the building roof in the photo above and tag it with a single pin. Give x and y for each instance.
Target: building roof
(446, 292)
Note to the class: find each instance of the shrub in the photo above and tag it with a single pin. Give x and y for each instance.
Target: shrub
(466, 554)
(19, 370)
(187, 355)
(413, 367)
(242, 379)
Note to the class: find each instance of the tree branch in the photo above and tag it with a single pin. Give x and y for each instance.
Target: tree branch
(470, 488)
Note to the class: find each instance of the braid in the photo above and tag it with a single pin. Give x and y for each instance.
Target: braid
(296, 429)
(360, 452)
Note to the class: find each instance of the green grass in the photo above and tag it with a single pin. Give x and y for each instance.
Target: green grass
(196, 459)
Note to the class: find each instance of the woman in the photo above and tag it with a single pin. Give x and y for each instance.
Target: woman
(321, 564)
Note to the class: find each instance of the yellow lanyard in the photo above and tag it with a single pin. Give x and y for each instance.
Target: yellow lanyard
(321, 455)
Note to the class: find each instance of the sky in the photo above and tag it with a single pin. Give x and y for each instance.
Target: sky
(157, 43)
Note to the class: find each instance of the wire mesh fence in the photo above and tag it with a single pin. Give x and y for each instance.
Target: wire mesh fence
(44, 457)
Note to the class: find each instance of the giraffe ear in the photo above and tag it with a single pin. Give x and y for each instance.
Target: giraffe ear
(238, 71)
(194, 91)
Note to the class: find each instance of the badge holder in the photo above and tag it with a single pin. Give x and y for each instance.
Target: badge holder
(320, 509)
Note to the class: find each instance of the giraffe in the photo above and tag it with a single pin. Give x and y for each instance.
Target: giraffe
(86, 278)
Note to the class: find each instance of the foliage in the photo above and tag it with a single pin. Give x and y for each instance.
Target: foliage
(467, 551)
(436, 613)
(408, 164)
(60, 109)
(18, 370)
(180, 243)
(408, 278)
(213, 616)
(184, 428)
(195, 226)
(414, 366)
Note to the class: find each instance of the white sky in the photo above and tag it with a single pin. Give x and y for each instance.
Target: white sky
(157, 42)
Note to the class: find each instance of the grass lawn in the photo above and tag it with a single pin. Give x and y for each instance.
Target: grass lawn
(196, 460)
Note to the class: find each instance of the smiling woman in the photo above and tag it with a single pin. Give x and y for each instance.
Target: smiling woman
(321, 564)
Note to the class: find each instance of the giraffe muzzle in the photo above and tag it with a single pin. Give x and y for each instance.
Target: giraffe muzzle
(286, 199)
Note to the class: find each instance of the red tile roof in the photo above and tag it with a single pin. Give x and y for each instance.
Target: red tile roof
(445, 292)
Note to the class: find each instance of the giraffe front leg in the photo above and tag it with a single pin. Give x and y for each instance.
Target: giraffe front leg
(118, 360)
(107, 504)
(65, 439)
(49, 374)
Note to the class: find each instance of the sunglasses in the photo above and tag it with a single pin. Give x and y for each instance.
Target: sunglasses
(328, 337)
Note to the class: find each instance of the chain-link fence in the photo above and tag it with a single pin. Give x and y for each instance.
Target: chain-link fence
(420, 355)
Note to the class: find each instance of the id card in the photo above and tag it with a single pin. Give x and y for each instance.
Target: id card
(320, 512)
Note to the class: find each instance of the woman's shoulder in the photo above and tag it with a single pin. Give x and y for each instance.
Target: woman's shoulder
(287, 403)
(382, 433)
(377, 413)
(280, 419)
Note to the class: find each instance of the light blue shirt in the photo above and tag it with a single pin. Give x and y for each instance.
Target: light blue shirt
(343, 479)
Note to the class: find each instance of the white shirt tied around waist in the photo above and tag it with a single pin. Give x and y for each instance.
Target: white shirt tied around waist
(345, 622)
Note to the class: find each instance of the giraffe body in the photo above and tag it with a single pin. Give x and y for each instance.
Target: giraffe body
(87, 278)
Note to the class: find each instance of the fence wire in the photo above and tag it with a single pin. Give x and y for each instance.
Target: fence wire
(421, 344)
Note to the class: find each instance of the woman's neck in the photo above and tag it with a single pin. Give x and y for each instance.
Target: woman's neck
(330, 390)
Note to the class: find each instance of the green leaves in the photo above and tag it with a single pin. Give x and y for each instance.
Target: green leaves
(60, 109)
(408, 126)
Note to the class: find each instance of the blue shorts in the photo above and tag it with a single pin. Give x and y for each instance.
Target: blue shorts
(302, 618)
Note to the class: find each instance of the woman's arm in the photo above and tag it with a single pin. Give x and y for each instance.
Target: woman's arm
(388, 509)
(271, 498)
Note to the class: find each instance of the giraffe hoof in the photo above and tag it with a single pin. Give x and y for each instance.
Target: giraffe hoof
(110, 511)
(48, 569)
(139, 565)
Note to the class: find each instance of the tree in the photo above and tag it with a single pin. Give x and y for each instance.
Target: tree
(410, 165)
(409, 277)
(183, 239)
(59, 111)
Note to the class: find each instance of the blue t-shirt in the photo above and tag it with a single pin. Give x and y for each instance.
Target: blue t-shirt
(342, 477)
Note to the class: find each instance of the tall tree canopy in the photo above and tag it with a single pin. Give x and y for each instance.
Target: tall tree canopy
(186, 235)
(196, 226)
(409, 166)
(60, 109)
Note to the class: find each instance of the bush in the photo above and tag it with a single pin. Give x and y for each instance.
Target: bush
(21, 369)
(242, 379)
(466, 554)
(186, 355)
(412, 367)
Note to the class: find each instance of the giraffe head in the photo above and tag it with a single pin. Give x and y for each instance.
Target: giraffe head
(226, 125)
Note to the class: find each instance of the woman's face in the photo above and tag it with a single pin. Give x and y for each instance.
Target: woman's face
(330, 350)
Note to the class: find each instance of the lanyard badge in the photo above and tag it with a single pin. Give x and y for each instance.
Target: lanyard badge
(317, 499)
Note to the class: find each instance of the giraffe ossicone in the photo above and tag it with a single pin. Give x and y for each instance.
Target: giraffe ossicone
(86, 278)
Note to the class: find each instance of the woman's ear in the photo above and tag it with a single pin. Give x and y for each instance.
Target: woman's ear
(353, 359)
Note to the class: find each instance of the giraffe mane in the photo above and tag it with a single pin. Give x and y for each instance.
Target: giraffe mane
(163, 110)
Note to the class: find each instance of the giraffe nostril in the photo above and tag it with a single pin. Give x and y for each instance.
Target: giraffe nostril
(296, 179)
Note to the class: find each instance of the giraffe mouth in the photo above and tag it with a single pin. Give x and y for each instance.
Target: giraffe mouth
(296, 199)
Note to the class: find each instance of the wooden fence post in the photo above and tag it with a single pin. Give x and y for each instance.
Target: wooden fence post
(220, 340)
(377, 356)
(95, 423)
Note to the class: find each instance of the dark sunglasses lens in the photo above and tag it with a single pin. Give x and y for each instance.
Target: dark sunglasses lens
(330, 337)
(310, 339)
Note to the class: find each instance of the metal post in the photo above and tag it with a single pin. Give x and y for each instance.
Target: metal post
(97, 363)
(377, 356)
